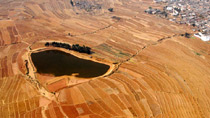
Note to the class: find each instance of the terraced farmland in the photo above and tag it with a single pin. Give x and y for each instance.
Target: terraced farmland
(154, 71)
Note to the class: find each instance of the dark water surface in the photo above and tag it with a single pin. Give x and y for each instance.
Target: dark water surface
(60, 63)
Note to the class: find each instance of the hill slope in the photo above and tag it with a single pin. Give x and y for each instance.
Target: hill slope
(158, 72)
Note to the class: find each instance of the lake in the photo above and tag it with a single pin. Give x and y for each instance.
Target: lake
(60, 63)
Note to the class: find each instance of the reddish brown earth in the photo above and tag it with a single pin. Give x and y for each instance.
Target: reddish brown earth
(155, 72)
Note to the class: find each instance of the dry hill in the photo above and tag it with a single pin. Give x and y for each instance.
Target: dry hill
(155, 71)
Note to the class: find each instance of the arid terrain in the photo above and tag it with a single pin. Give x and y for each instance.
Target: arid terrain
(154, 71)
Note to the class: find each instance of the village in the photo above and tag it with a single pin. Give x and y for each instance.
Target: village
(195, 13)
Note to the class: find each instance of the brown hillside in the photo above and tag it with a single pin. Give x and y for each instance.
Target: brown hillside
(154, 72)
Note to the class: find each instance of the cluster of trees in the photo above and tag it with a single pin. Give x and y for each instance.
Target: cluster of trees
(187, 35)
(81, 49)
(75, 47)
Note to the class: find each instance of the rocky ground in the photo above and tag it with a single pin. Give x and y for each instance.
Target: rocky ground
(157, 72)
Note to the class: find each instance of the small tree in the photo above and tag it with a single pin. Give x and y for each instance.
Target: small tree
(111, 9)
(47, 44)
(72, 3)
(54, 44)
(88, 50)
(187, 35)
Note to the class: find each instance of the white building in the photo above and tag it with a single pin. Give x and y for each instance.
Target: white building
(202, 36)
(169, 8)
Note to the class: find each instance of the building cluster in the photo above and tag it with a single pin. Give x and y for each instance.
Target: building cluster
(86, 5)
(195, 13)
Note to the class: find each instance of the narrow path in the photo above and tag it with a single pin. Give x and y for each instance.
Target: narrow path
(93, 32)
(134, 55)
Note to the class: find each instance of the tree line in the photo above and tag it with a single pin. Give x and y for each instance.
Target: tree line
(75, 47)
